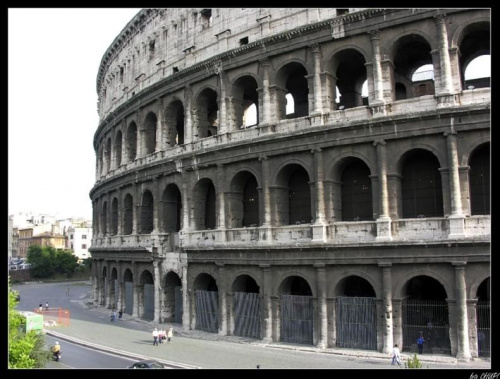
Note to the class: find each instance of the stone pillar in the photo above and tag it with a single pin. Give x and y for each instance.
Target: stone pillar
(378, 89)
(222, 127)
(265, 111)
(322, 307)
(383, 221)
(230, 313)
(457, 218)
(267, 332)
(135, 301)
(160, 145)
(275, 305)
(186, 292)
(444, 57)
(388, 340)
(318, 92)
(188, 121)
(222, 301)
(319, 227)
(221, 225)
(463, 351)
(157, 292)
(397, 320)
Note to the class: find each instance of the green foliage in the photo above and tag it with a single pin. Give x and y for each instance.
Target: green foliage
(46, 261)
(413, 362)
(26, 350)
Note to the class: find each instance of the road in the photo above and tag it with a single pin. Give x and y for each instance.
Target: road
(93, 326)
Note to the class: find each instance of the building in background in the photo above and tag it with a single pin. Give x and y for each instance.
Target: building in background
(80, 239)
(246, 184)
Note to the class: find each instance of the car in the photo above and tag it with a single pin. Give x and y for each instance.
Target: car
(150, 363)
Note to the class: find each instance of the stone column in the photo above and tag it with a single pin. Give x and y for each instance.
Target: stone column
(388, 340)
(383, 221)
(319, 227)
(230, 313)
(188, 121)
(456, 219)
(318, 92)
(265, 114)
(322, 307)
(222, 301)
(160, 144)
(265, 211)
(267, 332)
(378, 89)
(221, 224)
(463, 350)
(444, 57)
(186, 292)
(222, 127)
(157, 292)
(135, 301)
(275, 301)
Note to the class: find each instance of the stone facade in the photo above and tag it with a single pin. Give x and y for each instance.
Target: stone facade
(345, 195)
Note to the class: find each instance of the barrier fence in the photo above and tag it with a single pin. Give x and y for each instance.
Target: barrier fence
(54, 317)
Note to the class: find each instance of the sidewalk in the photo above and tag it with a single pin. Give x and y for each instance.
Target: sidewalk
(83, 333)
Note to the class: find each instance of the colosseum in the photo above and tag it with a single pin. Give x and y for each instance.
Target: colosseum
(314, 176)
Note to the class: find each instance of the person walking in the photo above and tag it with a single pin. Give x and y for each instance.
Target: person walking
(420, 343)
(170, 333)
(155, 337)
(113, 316)
(396, 355)
(46, 305)
(40, 308)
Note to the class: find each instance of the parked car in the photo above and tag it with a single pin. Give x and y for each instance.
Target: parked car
(147, 364)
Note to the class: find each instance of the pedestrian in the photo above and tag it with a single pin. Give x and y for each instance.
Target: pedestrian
(396, 355)
(67, 291)
(120, 314)
(40, 308)
(161, 335)
(113, 316)
(155, 337)
(170, 333)
(46, 305)
(420, 343)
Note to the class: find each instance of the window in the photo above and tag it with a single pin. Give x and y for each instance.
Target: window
(71, 236)
(84, 236)
(206, 18)
(84, 246)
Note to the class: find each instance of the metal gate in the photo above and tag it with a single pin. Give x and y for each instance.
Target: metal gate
(129, 297)
(483, 328)
(247, 314)
(356, 323)
(207, 310)
(178, 308)
(117, 291)
(297, 322)
(149, 302)
(429, 318)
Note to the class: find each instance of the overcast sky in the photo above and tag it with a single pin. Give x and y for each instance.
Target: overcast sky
(54, 56)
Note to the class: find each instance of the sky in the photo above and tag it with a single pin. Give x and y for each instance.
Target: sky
(53, 61)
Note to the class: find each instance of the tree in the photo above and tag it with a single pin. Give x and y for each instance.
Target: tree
(46, 261)
(26, 350)
(66, 262)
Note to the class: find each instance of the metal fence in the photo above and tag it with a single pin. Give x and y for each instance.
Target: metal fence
(429, 318)
(207, 310)
(178, 310)
(149, 302)
(483, 328)
(247, 314)
(129, 297)
(356, 325)
(297, 322)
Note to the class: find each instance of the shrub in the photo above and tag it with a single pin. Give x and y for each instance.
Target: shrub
(413, 362)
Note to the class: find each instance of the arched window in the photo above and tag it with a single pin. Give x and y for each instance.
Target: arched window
(479, 181)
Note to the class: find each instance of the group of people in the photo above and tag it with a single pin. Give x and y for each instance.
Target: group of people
(396, 353)
(113, 315)
(159, 335)
(40, 307)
